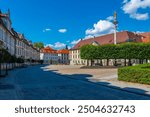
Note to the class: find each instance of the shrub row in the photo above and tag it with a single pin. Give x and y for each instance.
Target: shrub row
(119, 51)
(137, 74)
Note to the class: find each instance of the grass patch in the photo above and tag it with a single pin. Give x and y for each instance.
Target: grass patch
(136, 74)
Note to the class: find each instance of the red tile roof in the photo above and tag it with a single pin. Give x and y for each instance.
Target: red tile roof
(3, 15)
(48, 50)
(124, 36)
(146, 37)
(63, 51)
(52, 51)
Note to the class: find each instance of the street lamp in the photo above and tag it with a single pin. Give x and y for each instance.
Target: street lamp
(6, 64)
(1, 55)
(0, 61)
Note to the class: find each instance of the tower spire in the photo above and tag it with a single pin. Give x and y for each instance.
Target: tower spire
(66, 47)
(8, 13)
(115, 27)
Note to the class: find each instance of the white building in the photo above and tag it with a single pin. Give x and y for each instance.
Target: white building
(16, 43)
(49, 56)
(6, 36)
(63, 56)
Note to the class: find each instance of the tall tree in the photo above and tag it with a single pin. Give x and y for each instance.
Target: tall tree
(39, 45)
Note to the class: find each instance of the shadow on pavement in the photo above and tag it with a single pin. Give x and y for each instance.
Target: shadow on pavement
(6, 86)
(41, 83)
(87, 78)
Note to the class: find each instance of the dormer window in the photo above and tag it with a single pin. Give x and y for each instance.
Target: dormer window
(95, 43)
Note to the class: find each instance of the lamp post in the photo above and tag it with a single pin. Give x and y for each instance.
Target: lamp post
(1, 55)
(6, 65)
(0, 62)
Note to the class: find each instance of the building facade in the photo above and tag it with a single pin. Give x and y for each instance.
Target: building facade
(63, 56)
(122, 37)
(51, 56)
(16, 43)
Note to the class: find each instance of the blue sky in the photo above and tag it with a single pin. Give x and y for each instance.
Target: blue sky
(60, 22)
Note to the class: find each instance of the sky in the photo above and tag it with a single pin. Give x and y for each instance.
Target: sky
(58, 23)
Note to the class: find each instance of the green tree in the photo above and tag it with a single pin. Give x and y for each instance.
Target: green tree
(5, 56)
(39, 45)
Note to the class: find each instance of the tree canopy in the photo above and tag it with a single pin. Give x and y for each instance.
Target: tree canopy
(119, 51)
(39, 45)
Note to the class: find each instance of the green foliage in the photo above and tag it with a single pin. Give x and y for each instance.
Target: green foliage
(91, 50)
(20, 60)
(13, 59)
(137, 74)
(119, 51)
(39, 45)
(5, 56)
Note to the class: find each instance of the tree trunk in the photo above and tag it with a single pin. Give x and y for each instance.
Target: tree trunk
(115, 63)
(146, 61)
(107, 62)
(87, 62)
(91, 62)
(141, 61)
(125, 62)
(101, 62)
(129, 63)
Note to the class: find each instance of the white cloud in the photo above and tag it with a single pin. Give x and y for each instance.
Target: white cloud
(69, 47)
(131, 7)
(74, 42)
(100, 28)
(139, 32)
(57, 45)
(125, 1)
(138, 16)
(50, 45)
(110, 18)
(88, 36)
(47, 30)
(62, 30)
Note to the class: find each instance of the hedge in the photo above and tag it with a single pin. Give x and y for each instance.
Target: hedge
(137, 74)
(119, 51)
